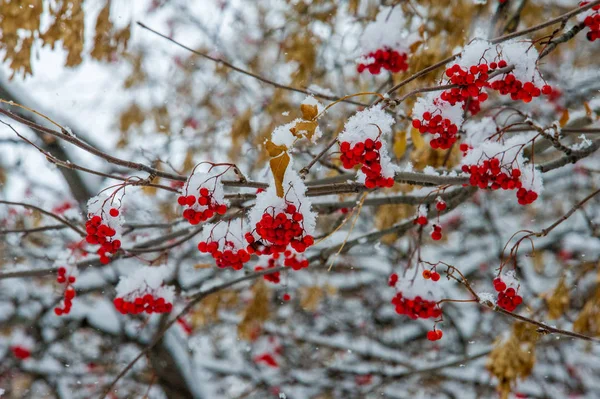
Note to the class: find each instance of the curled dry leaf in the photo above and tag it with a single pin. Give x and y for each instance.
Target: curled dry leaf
(279, 162)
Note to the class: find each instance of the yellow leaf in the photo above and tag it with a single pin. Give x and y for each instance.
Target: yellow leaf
(274, 149)
(400, 144)
(415, 46)
(278, 166)
(564, 118)
(305, 126)
(417, 139)
(309, 112)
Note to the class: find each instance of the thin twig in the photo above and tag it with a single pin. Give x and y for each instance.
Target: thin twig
(248, 73)
(56, 217)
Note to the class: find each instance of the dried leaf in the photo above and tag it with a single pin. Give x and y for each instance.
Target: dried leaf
(558, 302)
(417, 139)
(107, 41)
(310, 297)
(564, 118)
(279, 165)
(400, 144)
(304, 128)
(208, 312)
(309, 112)
(588, 320)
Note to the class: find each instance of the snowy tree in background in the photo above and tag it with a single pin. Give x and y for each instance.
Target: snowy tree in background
(299, 199)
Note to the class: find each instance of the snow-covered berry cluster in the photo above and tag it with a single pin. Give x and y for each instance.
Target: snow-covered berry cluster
(416, 307)
(438, 118)
(493, 175)
(203, 196)
(591, 19)
(366, 154)
(471, 82)
(385, 58)
(66, 276)
(479, 67)
(103, 228)
(508, 299)
(144, 291)
(146, 303)
(385, 42)
(225, 244)
(362, 143)
(277, 229)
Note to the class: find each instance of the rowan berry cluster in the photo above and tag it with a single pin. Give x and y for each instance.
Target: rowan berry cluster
(69, 292)
(20, 352)
(417, 308)
(491, 174)
(518, 90)
(207, 208)
(146, 303)
(228, 256)
(393, 280)
(368, 155)
(471, 82)
(442, 128)
(507, 296)
(277, 230)
(385, 58)
(592, 21)
(434, 335)
(99, 232)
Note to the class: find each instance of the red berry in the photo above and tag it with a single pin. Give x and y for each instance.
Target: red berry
(114, 212)
(422, 220)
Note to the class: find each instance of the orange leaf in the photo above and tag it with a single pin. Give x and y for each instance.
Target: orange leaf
(274, 149)
(564, 118)
(309, 127)
(309, 112)
(278, 166)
